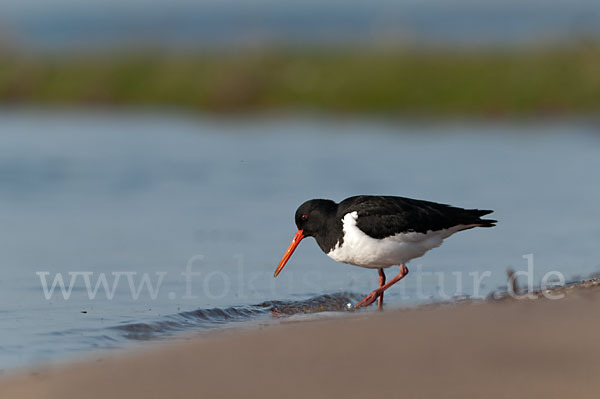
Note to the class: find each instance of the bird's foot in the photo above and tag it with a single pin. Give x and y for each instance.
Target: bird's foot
(369, 299)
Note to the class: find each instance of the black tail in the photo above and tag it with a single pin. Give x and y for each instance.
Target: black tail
(483, 222)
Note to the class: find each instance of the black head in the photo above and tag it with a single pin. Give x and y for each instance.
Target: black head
(312, 215)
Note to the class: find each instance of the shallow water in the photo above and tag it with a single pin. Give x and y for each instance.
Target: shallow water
(189, 24)
(205, 209)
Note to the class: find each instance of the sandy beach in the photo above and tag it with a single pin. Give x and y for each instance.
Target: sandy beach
(492, 349)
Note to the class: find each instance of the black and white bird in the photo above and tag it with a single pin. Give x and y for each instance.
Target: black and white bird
(377, 232)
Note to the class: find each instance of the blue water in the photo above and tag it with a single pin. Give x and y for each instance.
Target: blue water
(123, 194)
(73, 24)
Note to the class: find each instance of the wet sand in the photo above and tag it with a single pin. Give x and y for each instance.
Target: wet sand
(488, 349)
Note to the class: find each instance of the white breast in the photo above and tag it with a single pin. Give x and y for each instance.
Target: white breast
(362, 250)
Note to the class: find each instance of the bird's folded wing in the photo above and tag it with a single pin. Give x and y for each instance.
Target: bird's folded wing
(384, 216)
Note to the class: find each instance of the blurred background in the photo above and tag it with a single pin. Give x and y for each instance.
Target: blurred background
(406, 57)
(136, 135)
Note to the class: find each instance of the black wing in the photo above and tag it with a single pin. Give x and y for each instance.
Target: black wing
(384, 216)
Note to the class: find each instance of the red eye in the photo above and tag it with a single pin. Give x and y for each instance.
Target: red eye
(304, 217)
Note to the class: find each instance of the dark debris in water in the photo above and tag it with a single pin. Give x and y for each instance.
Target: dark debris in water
(322, 303)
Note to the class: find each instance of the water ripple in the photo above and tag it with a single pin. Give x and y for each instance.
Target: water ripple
(215, 317)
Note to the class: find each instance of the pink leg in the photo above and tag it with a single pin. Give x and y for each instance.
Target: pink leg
(369, 299)
(381, 284)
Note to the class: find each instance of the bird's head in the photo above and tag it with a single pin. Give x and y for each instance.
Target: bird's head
(310, 218)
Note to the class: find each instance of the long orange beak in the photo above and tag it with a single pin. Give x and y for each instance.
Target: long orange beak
(295, 241)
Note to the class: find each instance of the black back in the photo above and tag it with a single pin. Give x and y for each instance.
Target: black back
(384, 216)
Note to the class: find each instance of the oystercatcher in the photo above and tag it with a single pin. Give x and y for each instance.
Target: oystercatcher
(377, 232)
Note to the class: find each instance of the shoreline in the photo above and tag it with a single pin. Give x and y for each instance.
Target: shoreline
(494, 347)
(517, 82)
